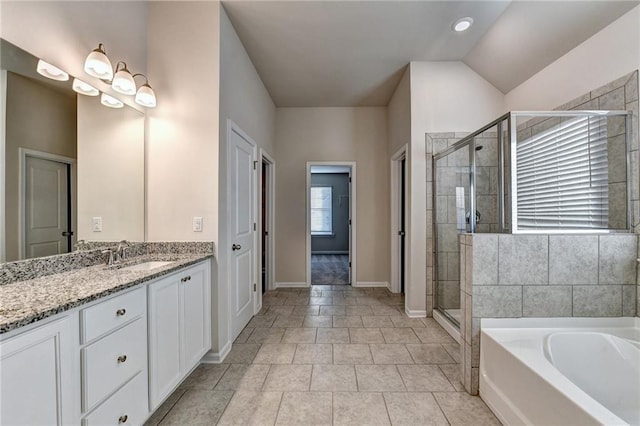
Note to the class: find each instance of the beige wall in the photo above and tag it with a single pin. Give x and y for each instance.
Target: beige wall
(110, 171)
(182, 132)
(245, 101)
(38, 118)
(332, 134)
(445, 97)
(399, 114)
(609, 54)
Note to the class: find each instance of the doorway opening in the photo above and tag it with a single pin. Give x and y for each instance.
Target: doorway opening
(399, 211)
(330, 223)
(266, 222)
(46, 198)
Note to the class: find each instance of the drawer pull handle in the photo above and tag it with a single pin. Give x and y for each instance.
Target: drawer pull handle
(185, 279)
(120, 312)
(123, 419)
(122, 358)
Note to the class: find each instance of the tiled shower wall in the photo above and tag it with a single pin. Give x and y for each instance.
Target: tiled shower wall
(513, 276)
(507, 276)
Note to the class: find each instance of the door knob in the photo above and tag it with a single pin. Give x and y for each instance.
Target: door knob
(401, 233)
(236, 247)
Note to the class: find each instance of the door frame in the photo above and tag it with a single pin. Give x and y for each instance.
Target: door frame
(23, 153)
(233, 127)
(352, 214)
(396, 188)
(3, 119)
(264, 157)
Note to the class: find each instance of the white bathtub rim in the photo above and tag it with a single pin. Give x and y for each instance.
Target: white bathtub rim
(500, 403)
(518, 337)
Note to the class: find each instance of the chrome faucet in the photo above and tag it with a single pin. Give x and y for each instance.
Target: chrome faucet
(110, 256)
(121, 251)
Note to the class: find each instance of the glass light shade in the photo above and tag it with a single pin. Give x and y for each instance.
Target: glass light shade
(84, 89)
(146, 96)
(98, 65)
(123, 82)
(462, 24)
(51, 71)
(110, 101)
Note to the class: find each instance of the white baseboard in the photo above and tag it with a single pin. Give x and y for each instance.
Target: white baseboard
(216, 357)
(372, 284)
(415, 314)
(329, 252)
(290, 285)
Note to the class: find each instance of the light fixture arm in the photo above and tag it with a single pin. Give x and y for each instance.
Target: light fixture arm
(146, 80)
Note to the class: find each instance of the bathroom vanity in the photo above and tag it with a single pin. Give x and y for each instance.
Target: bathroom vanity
(102, 344)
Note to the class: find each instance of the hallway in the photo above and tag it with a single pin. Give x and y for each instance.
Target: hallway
(330, 355)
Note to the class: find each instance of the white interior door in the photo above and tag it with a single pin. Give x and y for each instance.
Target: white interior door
(46, 207)
(241, 229)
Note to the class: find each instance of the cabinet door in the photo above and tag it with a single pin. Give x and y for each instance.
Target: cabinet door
(165, 370)
(195, 286)
(38, 376)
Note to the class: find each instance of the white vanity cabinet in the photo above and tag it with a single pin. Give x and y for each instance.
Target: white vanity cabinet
(39, 375)
(179, 328)
(114, 360)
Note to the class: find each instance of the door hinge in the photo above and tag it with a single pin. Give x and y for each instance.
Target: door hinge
(349, 264)
(255, 287)
(255, 227)
(255, 165)
(349, 221)
(349, 180)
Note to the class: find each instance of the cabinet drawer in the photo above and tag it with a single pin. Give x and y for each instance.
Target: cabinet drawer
(128, 406)
(112, 360)
(109, 315)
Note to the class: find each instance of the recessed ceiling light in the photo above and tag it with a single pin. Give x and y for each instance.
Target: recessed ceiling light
(462, 24)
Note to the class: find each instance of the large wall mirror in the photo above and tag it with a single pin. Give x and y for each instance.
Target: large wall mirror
(73, 169)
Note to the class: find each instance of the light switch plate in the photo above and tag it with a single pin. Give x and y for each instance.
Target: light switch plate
(197, 224)
(96, 224)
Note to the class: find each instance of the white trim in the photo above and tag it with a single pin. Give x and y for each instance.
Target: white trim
(23, 153)
(353, 215)
(263, 156)
(328, 252)
(448, 327)
(291, 285)
(396, 188)
(372, 284)
(3, 120)
(233, 127)
(415, 314)
(217, 357)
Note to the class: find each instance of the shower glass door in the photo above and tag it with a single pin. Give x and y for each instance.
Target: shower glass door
(452, 211)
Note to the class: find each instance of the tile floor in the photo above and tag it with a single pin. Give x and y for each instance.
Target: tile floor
(330, 355)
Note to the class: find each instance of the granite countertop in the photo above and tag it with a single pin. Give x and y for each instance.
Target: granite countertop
(25, 302)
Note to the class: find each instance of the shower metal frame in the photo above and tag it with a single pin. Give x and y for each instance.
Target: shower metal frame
(511, 141)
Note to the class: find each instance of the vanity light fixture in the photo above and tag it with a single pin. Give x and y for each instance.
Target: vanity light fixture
(98, 64)
(462, 24)
(123, 80)
(110, 101)
(84, 88)
(145, 95)
(51, 71)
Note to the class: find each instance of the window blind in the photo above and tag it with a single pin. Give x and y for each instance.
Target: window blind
(562, 177)
(321, 218)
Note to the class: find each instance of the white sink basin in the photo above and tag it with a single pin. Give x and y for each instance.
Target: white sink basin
(146, 266)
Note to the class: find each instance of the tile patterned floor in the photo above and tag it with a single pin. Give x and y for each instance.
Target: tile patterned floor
(330, 355)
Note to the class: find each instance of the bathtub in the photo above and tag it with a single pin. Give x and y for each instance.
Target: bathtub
(561, 371)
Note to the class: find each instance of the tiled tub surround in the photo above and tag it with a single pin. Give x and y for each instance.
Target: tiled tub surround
(541, 276)
(33, 299)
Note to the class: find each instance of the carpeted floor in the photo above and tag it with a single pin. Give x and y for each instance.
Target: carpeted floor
(328, 269)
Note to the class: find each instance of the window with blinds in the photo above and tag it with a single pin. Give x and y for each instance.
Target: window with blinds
(321, 217)
(562, 177)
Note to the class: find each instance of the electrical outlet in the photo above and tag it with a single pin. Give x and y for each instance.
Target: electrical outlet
(96, 224)
(197, 224)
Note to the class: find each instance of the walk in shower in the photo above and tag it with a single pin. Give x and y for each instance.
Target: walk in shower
(529, 172)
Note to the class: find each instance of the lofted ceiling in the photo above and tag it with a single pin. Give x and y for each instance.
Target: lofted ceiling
(353, 53)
